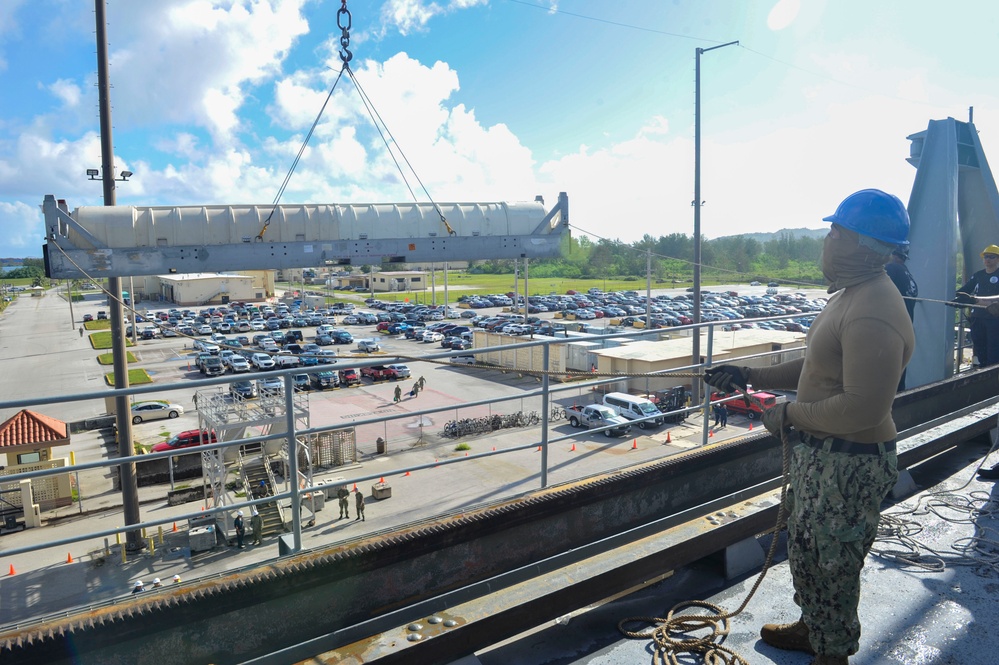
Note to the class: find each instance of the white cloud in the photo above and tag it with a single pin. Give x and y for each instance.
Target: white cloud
(409, 15)
(67, 91)
(192, 61)
(23, 229)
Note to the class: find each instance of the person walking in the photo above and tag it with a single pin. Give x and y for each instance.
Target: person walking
(906, 285)
(81, 331)
(716, 412)
(343, 494)
(846, 464)
(359, 505)
(421, 382)
(398, 394)
(983, 288)
(723, 415)
(240, 528)
(256, 526)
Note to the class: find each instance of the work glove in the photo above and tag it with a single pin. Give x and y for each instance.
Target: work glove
(775, 419)
(993, 309)
(727, 378)
(963, 298)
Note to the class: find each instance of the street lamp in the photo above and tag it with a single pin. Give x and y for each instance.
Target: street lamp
(95, 174)
(697, 203)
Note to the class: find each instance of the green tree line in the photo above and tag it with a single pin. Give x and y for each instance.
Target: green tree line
(671, 258)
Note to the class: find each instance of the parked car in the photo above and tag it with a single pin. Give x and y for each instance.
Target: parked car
(324, 379)
(143, 411)
(368, 346)
(273, 385)
(262, 361)
(349, 377)
(244, 389)
(401, 371)
(238, 364)
(301, 382)
(186, 439)
(88, 317)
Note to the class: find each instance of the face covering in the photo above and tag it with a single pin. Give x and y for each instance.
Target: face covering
(846, 261)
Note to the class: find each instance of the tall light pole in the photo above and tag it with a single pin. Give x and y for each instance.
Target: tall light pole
(123, 416)
(697, 203)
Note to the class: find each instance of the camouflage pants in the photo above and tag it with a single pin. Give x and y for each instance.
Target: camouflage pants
(833, 505)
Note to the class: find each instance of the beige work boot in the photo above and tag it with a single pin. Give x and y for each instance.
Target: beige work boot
(790, 636)
(831, 660)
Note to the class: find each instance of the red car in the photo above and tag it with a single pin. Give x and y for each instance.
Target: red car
(349, 377)
(186, 439)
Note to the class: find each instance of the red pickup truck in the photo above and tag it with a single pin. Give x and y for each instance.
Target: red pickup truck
(379, 373)
(754, 410)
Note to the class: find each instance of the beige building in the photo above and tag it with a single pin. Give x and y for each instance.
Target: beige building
(398, 280)
(636, 358)
(26, 441)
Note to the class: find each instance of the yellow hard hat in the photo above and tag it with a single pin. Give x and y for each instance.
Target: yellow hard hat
(991, 249)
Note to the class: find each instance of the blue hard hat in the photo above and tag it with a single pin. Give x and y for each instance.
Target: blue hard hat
(873, 213)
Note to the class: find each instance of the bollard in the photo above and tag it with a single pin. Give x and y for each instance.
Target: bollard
(152, 545)
(107, 548)
(160, 529)
(124, 557)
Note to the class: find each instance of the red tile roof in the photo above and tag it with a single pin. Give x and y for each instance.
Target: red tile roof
(27, 427)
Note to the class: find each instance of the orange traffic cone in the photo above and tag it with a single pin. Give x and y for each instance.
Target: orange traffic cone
(538, 450)
(174, 526)
(634, 444)
(69, 558)
(466, 453)
(355, 487)
(573, 449)
(669, 439)
(382, 480)
(406, 474)
(711, 433)
(11, 570)
(750, 425)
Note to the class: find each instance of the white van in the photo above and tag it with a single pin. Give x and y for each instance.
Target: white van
(633, 408)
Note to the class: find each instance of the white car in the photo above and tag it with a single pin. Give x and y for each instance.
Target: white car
(205, 329)
(432, 336)
(257, 325)
(143, 411)
(262, 361)
(401, 371)
(368, 345)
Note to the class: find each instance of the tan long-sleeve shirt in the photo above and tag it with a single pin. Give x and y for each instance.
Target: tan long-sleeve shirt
(857, 349)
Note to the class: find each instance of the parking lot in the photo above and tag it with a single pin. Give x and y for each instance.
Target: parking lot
(46, 356)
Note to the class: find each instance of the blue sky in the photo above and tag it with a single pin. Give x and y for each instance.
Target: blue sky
(491, 100)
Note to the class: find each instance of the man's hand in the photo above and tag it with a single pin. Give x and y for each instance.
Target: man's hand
(963, 298)
(727, 378)
(775, 419)
(993, 309)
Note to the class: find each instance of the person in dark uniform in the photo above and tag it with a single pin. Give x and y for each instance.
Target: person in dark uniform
(906, 285)
(342, 495)
(978, 290)
(359, 504)
(240, 528)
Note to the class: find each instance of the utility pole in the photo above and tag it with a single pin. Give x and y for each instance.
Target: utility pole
(123, 416)
(697, 203)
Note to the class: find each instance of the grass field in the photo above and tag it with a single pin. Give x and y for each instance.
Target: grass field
(460, 283)
(102, 340)
(135, 377)
(108, 358)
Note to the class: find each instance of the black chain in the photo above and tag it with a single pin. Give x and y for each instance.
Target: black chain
(345, 53)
